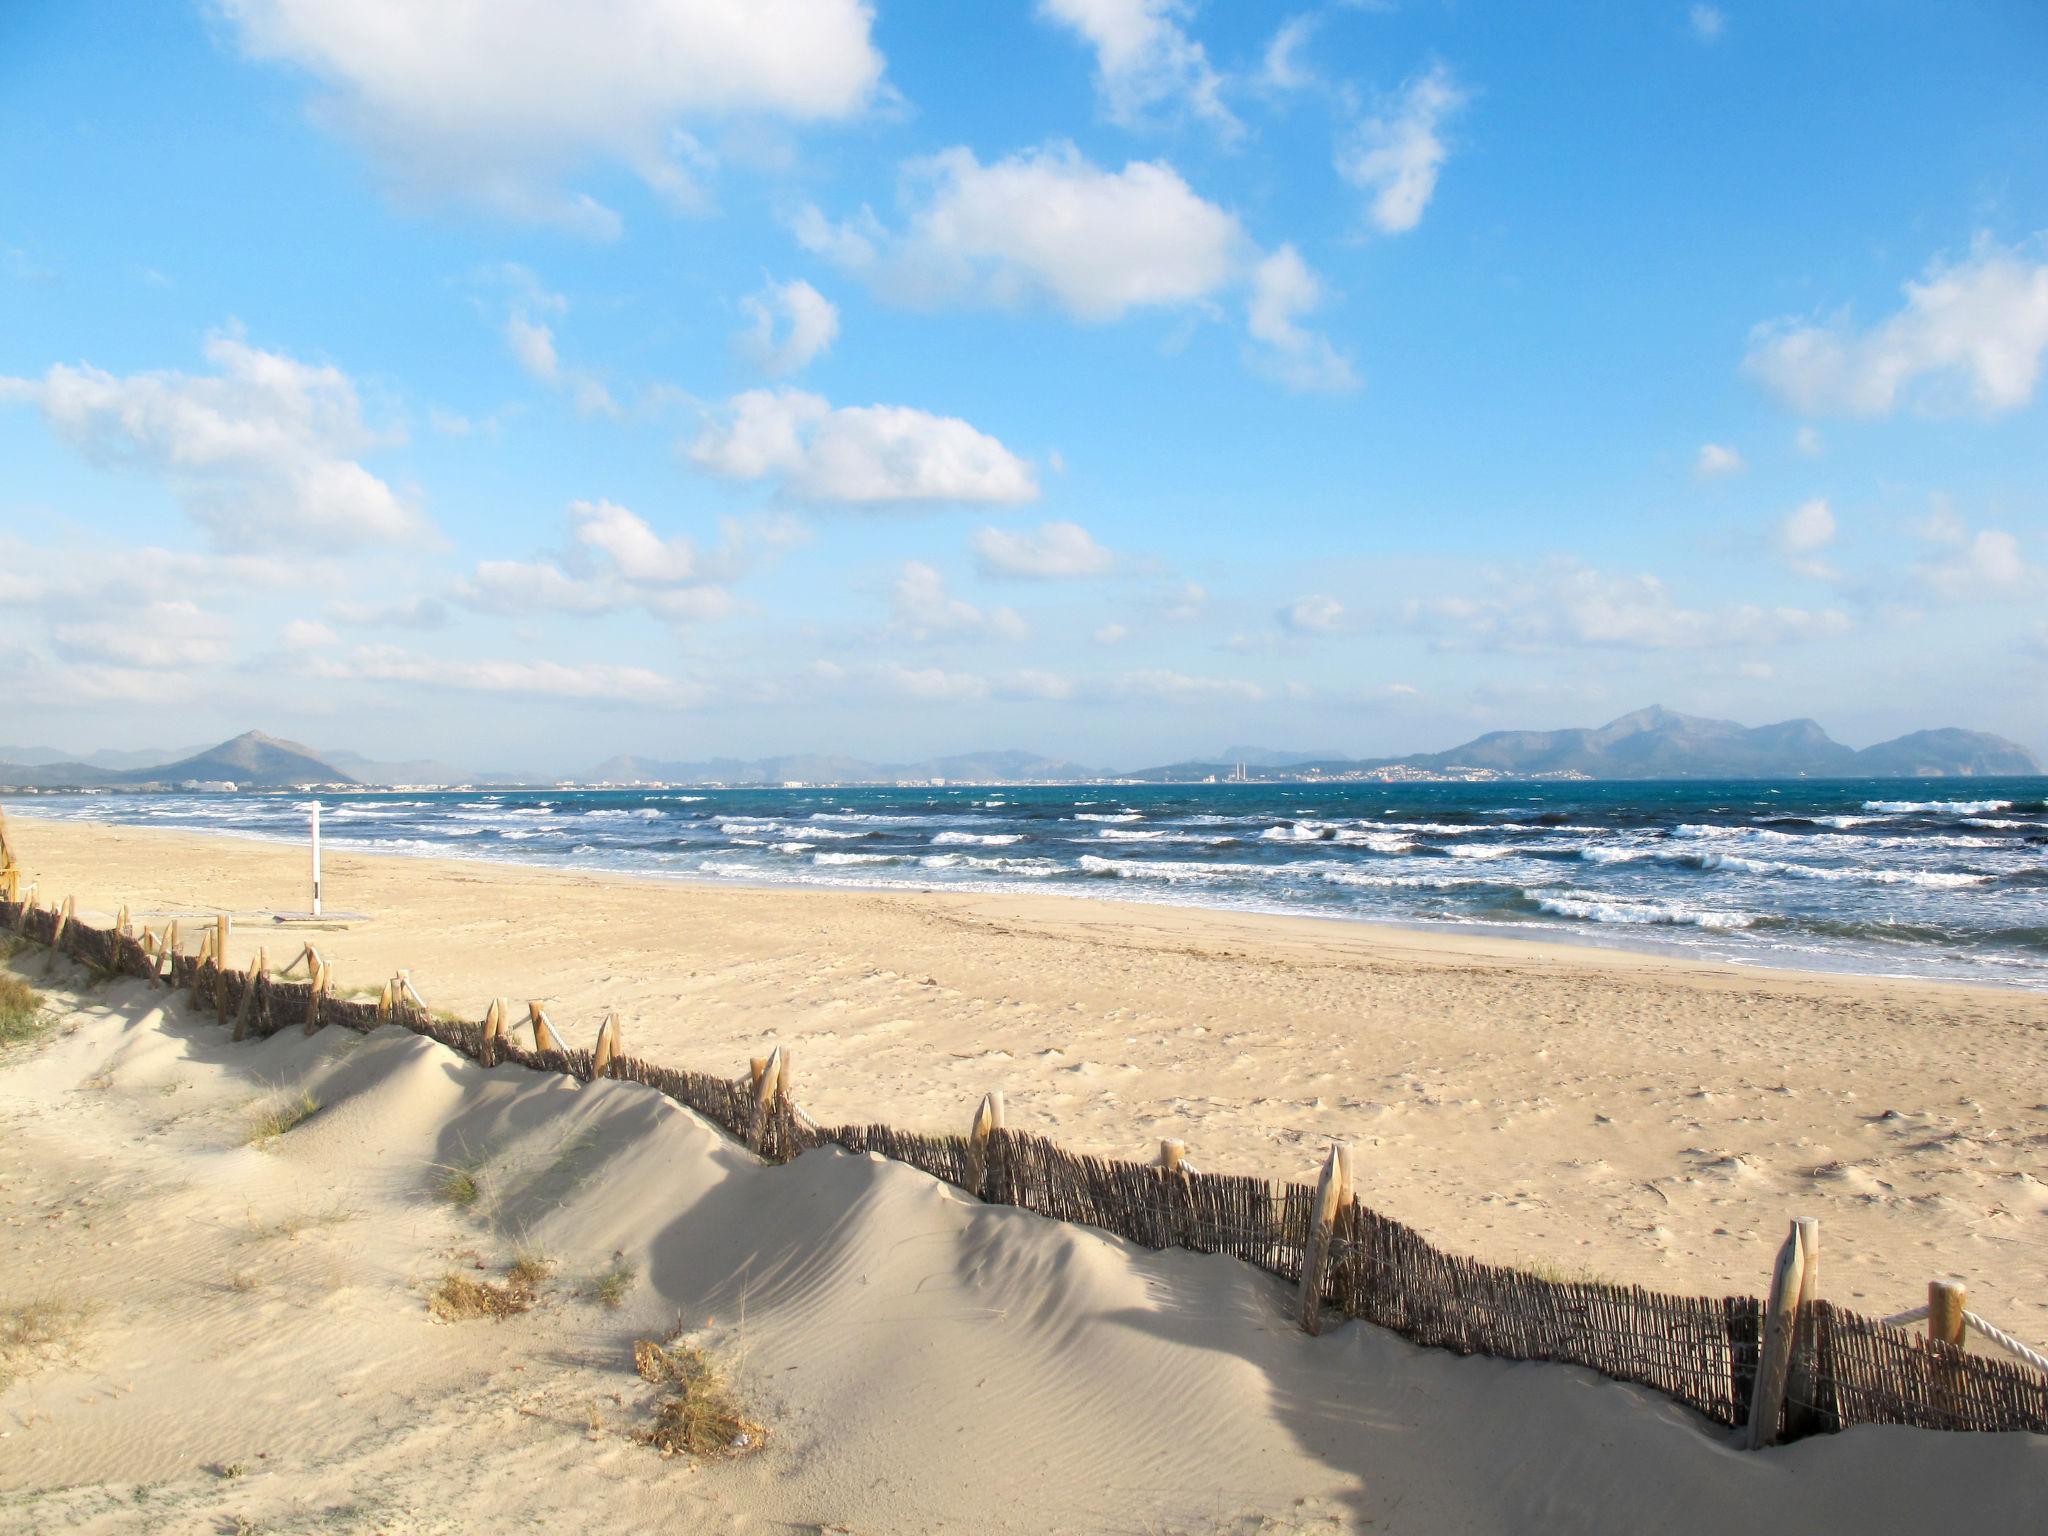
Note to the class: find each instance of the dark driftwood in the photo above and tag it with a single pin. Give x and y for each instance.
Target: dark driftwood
(1702, 1350)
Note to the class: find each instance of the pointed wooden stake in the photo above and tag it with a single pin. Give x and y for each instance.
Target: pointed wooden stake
(121, 922)
(259, 981)
(1172, 1154)
(607, 1047)
(57, 935)
(543, 1033)
(764, 1098)
(1802, 1413)
(384, 1005)
(1774, 1359)
(1333, 1193)
(221, 926)
(316, 975)
(988, 1119)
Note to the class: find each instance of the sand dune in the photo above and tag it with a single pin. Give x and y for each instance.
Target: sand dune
(258, 1347)
(1624, 1116)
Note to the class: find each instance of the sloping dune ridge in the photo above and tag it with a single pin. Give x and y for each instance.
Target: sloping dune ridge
(252, 1348)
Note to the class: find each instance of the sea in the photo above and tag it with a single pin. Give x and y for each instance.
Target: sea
(1923, 878)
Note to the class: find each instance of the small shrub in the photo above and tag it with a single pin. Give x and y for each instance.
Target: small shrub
(24, 1015)
(460, 1184)
(530, 1269)
(459, 1298)
(281, 1115)
(609, 1287)
(700, 1416)
(33, 1332)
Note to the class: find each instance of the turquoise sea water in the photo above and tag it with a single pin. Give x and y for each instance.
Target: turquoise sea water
(1942, 878)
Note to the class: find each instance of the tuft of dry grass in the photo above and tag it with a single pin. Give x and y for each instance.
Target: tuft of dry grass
(24, 1015)
(609, 1287)
(283, 1113)
(245, 1280)
(460, 1298)
(33, 1333)
(700, 1416)
(460, 1184)
(530, 1269)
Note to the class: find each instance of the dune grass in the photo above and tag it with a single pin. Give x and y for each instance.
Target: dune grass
(461, 1298)
(24, 1012)
(609, 1286)
(281, 1114)
(34, 1332)
(701, 1416)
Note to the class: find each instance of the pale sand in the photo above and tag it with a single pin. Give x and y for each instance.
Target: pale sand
(1625, 1116)
(258, 1355)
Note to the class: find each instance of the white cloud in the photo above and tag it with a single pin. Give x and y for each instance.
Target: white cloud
(925, 610)
(1144, 59)
(1986, 565)
(1283, 289)
(263, 451)
(595, 683)
(1185, 603)
(1316, 614)
(1050, 551)
(1808, 441)
(405, 613)
(1283, 69)
(533, 346)
(1974, 331)
(1707, 23)
(500, 103)
(162, 636)
(615, 561)
(1808, 529)
(1566, 605)
(1043, 224)
(1180, 687)
(635, 551)
(1397, 155)
(875, 454)
(520, 586)
(306, 635)
(792, 324)
(1112, 634)
(1716, 460)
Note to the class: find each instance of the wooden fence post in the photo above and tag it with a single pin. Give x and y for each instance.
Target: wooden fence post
(606, 1048)
(1945, 1321)
(316, 975)
(384, 1005)
(1333, 1193)
(988, 1118)
(221, 927)
(543, 1034)
(121, 921)
(57, 935)
(494, 1031)
(167, 954)
(1774, 1358)
(1172, 1154)
(764, 1095)
(259, 980)
(1802, 1381)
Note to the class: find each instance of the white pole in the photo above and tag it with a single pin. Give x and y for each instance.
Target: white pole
(316, 858)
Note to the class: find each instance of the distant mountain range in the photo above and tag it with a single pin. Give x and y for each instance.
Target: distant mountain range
(1659, 743)
(1654, 743)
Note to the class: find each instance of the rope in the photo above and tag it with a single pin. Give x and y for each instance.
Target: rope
(2006, 1341)
(1990, 1330)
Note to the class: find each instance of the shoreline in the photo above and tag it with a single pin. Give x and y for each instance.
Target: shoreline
(1632, 1116)
(1490, 940)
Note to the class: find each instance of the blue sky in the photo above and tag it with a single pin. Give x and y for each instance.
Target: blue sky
(1115, 378)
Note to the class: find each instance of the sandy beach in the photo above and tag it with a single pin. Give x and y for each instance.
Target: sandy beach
(1603, 1113)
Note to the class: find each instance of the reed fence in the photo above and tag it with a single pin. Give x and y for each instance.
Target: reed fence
(1772, 1369)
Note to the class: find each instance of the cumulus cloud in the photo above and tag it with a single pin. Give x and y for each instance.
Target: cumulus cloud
(1808, 529)
(1969, 333)
(1049, 551)
(1316, 614)
(860, 455)
(791, 324)
(1717, 460)
(615, 560)
(591, 683)
(1112, 634)
(1567, 606)
(1282, 69)
(1180, 687)
(1045, 224)
(925, 610)
(1283, 290)
(1396, 155)
(1985, 565)
(1707, 23)
(162, 636)
(500, 104)
(264, 450)
(1144, 59)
